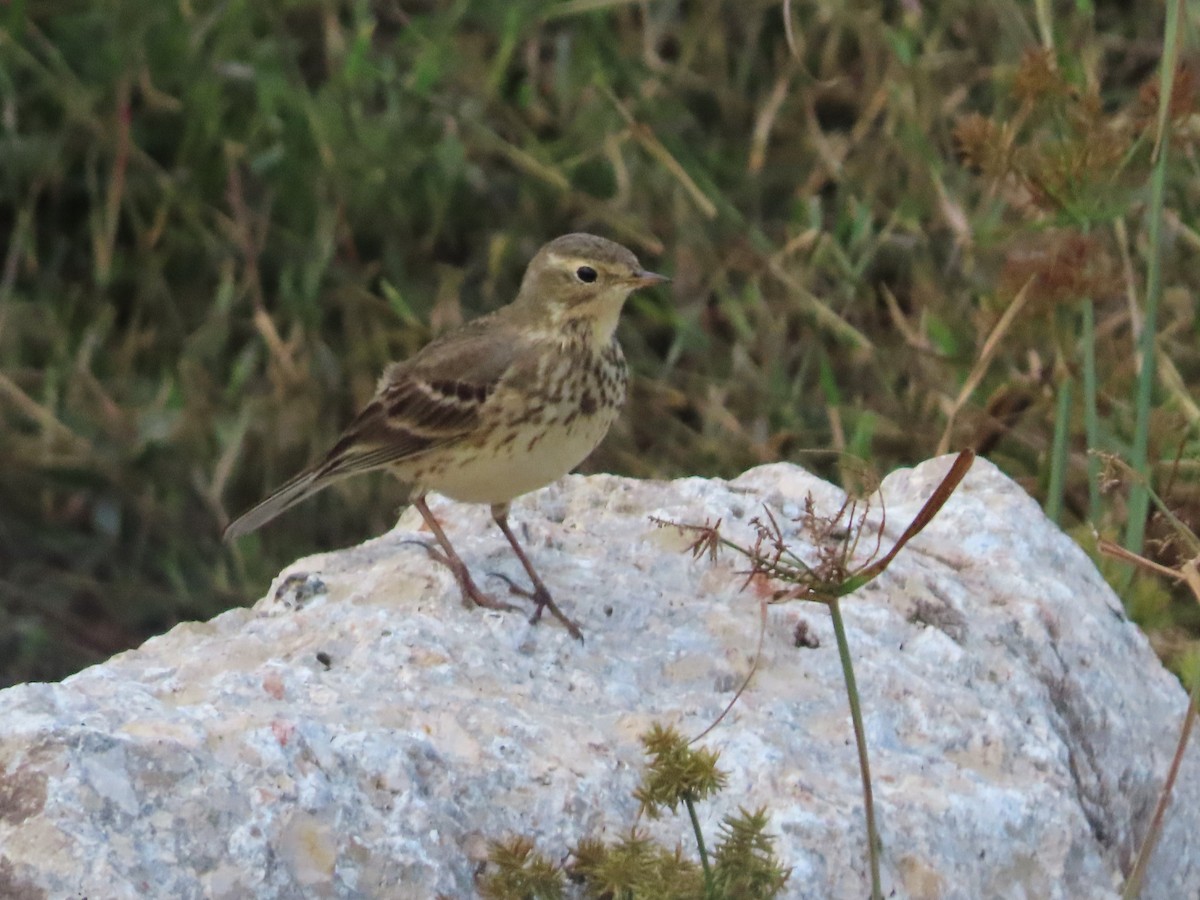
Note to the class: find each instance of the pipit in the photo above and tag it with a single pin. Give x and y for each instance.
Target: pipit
(499, 407)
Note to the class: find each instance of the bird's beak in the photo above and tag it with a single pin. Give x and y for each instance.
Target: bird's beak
(646, 279)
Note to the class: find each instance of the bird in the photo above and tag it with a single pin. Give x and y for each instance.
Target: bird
(498, 407)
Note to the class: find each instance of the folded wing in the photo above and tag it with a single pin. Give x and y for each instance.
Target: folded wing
(421, 405)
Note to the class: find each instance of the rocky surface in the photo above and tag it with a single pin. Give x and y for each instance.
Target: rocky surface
(359, 733)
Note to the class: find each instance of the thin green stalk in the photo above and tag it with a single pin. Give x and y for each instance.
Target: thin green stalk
(1091, 420)
(860, 738)
(1058, 451)
(1139, 499)
(708, 879)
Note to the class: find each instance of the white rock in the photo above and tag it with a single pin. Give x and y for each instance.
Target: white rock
(362, 734)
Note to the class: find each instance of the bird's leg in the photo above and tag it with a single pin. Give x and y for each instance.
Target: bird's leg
(539, 595)
(470, 592)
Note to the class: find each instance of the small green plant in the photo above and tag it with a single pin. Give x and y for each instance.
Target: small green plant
(741, 865)
(832, 575)
(523, 872)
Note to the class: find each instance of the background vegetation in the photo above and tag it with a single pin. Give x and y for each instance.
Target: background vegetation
(895, 228)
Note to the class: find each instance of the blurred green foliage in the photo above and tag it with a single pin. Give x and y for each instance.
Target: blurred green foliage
(222, 220)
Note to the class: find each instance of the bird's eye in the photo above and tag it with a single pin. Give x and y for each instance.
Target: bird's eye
(586, 274)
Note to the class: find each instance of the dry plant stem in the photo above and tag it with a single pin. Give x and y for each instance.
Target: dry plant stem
(539, 595)
(470, 591)
(105, 239)
(1133, 886)
(1108, 548)
(52, 428)
(761, 136)
(645, 136)
(860, 738)
(1190, 574)
(1172, 381)
(958, 471)
(1181, 530)
(981, 364)
(762, 631)
(788, 33)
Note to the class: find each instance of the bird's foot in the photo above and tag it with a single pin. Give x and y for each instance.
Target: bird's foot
(542, 601)
(471, 594)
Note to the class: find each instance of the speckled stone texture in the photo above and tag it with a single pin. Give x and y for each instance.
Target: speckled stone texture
(359, 733)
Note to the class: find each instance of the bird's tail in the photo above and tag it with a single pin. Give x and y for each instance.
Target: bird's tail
(303, 486)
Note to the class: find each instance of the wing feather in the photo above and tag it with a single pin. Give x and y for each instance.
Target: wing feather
(422, 404)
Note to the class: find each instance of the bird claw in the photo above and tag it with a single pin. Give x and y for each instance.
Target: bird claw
(542, 601)
(428, 547)
(471, 594)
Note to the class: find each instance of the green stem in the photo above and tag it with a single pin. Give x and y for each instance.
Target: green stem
(1058, 451)
(1139, 498)
(1091, 420)
(708, 879)
(860, 738)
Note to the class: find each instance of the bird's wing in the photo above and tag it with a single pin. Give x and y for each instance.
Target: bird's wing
(421, 404)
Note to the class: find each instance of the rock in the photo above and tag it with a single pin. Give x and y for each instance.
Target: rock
(359, 733)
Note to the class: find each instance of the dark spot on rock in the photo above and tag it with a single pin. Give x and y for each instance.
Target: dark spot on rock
(803, 637)
(942, 616)
(14, 888)
(22, 794)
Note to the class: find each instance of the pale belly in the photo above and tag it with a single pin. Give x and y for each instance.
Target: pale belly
(526, 463)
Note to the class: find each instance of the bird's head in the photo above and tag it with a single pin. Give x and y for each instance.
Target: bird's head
(581, 276)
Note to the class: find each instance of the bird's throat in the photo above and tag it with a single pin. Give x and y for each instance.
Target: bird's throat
(596, 321)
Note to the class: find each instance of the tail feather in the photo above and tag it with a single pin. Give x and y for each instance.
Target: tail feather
(300, 488)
